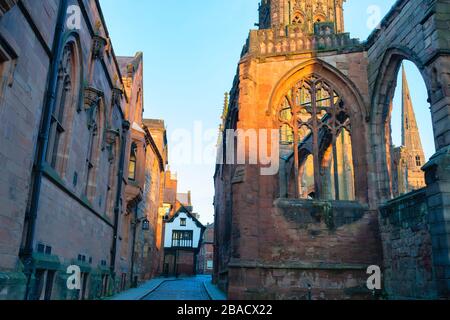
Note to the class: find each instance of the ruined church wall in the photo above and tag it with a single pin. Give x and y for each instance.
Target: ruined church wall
(407, 247)
(278, 248)
(416, 31)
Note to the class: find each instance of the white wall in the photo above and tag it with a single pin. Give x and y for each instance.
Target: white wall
(175, 225)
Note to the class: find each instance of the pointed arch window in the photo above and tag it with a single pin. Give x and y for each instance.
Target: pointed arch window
(133, 163)
(96, 127)
(298, 19)
(112, 176)
(320, 18)
(314, 119)
(63, 101)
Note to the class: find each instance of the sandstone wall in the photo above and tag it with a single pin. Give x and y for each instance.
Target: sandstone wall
(75, 217)
(407, 247)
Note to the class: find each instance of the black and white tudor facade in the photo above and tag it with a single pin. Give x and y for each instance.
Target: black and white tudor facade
(183, 234)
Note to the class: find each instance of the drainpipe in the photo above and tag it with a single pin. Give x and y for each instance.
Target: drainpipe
(176, 263)
(26, 253)
(133, 254)
(117, 207)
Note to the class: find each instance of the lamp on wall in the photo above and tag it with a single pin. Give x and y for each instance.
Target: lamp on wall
(145, 225)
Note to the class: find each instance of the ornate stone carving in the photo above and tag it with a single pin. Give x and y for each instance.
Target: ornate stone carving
(92, 97)
(111, 136)
(130, 70)
(117, 96)
(324, 28)
(294, 39)
(98, 46)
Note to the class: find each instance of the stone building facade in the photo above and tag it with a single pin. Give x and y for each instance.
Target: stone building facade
(170, 193)
(70, 112)
(147, 160)
(183, 235)
(205, 264)
(314, 228)
(156, 163)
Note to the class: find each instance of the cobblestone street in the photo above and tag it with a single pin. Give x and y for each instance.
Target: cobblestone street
(181, 289)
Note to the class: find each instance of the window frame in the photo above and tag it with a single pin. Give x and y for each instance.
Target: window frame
(182, 238)
(66, 101)
(312, 103)
(132, 174)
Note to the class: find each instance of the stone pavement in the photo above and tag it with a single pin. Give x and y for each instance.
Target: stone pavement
(143, 290)
(181, 289)
(213, 291)
(191, 288)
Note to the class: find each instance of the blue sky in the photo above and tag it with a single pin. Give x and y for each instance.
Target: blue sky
(191, 49)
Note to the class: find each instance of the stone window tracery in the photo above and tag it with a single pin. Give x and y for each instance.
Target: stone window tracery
(96, 126)
(112, 174)
(63, 101)
(298, 19)
(314, 117)
(320, 18)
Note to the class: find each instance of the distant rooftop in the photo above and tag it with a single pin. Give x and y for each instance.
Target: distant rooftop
(154, 123)
(124, 62)
(184, 198)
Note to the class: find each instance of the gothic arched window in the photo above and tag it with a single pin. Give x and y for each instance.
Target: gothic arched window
(320, 18)
(64, 100)
(314, 120)
(112, 176)
(96, 127)
(298, 19)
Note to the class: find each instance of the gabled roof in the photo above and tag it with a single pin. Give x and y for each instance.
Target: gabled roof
(183, 209)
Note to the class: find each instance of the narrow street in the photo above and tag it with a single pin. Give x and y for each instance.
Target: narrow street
(181, 289)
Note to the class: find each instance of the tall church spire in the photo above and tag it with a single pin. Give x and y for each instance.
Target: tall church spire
(409, 158)
(410, 130)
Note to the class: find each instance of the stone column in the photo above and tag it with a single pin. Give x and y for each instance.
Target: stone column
(437, 172)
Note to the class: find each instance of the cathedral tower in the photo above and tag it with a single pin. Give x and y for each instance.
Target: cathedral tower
(276, 13)
(304, 78)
